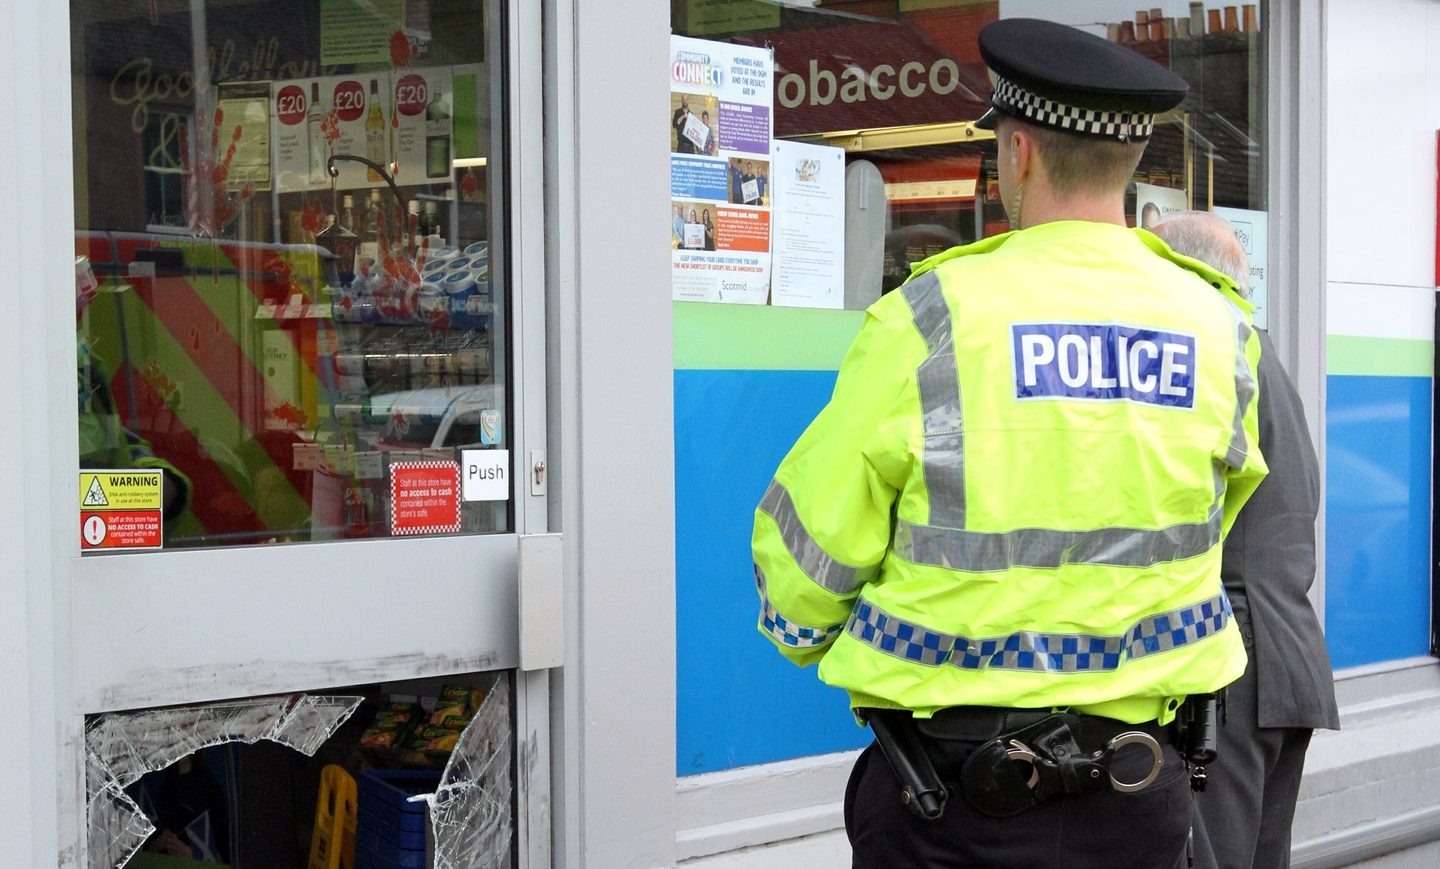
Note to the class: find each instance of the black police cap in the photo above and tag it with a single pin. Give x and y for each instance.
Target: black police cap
(1059, 77)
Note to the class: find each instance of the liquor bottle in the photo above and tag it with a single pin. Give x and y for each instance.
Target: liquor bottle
(315, 136)
(413, 223)
(375, 132)
(347, 213)
(370, 232)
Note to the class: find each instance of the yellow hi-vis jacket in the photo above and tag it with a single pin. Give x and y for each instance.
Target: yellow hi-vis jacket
(1018, 492)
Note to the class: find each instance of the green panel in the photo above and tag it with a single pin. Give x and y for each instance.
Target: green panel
(760, 337)
(358, 31)
(1386, 357)
(723, 17)
(466, 115)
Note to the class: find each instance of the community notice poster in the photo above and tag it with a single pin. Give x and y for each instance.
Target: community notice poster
(809, 226)
(720, 190)
(1252, 230)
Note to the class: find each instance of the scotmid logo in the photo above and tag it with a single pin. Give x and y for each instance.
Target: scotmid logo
(1103, 362)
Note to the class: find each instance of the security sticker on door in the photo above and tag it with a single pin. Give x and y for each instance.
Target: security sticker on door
(121, 509)
(485, 475)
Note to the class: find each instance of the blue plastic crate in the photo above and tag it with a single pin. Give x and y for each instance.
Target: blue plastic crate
(375, 850)
(408, 833)
(390, 830)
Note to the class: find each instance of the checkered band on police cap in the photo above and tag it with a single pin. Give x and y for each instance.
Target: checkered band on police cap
(1015, 100)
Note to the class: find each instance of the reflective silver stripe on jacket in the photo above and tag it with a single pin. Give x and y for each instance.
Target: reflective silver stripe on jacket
(939, 383)
(1034, 650)
(988, 551)
(787, 632)
(1244, 389)
(822, 568)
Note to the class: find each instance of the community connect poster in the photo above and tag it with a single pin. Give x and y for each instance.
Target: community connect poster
(720, 130)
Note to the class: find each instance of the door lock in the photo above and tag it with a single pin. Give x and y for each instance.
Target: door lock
(537, 472)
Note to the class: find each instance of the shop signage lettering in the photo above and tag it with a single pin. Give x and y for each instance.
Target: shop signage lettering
(138, 84)
(854, 84)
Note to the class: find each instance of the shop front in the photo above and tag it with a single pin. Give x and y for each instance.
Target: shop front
(400, 515)
(889, 91)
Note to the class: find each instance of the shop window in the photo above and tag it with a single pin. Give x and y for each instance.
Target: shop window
(292, 303)
(897, 84)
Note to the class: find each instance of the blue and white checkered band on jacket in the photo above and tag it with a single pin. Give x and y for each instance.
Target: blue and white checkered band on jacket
(1124, 126)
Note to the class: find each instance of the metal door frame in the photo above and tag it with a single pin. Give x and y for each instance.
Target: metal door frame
(303, 587)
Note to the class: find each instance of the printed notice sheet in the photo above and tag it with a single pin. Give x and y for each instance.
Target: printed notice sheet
(809, 226)
(1252, 229)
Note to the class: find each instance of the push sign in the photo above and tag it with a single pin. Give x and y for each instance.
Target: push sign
(1103, 362)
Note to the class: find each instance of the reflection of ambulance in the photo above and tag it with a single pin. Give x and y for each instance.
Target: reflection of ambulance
(440, 417)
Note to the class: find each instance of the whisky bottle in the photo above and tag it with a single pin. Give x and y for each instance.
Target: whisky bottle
(375, 132)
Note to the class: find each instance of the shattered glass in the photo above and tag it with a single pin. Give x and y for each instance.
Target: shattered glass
(123, 746)
(470, 811)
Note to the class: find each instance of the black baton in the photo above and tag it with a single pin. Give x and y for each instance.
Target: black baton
(920, 788)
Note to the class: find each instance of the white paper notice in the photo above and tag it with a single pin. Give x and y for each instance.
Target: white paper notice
(485, 475)
(809, 226)
(1252, 228)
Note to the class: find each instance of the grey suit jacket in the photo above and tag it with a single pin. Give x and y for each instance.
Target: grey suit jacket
(1269, 564)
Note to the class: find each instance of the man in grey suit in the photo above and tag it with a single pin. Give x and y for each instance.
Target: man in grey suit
(1243, 818)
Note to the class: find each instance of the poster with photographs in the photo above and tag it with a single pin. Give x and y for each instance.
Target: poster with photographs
(720, 129)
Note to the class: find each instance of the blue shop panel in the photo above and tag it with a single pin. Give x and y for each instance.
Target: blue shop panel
(738, 702)
(1377, 518)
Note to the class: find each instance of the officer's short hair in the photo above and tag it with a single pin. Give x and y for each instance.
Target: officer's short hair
(1080, 164)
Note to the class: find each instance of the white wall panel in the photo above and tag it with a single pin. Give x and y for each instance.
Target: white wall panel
(1381, 142)
(1377, 311)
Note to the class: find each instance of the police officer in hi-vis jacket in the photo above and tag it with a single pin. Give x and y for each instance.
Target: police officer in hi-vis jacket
(1002, 535)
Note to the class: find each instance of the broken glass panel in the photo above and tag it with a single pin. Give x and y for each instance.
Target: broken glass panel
(123, 746)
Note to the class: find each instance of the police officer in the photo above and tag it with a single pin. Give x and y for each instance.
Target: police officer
(1002, 535)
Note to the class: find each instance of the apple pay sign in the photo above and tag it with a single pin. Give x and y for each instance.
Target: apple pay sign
(485, 475)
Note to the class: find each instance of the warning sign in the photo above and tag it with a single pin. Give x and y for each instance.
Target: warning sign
(121, 529)
(121, 509)
(424, 497)
(120, 490)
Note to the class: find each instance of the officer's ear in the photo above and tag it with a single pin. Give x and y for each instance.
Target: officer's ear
(1022, 151)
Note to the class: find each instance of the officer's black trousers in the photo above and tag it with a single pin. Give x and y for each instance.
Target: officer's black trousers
(1103, 830)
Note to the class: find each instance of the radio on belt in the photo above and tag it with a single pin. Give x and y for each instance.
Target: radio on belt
(1103, 362)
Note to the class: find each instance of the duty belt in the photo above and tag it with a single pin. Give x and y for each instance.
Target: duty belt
(1007, 761)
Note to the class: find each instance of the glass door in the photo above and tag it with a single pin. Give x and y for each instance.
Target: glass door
(302, 391)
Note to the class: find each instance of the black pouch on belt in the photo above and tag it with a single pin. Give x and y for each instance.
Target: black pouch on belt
(1016, 771)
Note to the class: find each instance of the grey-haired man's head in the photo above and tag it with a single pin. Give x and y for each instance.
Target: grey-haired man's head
(1208, 238)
